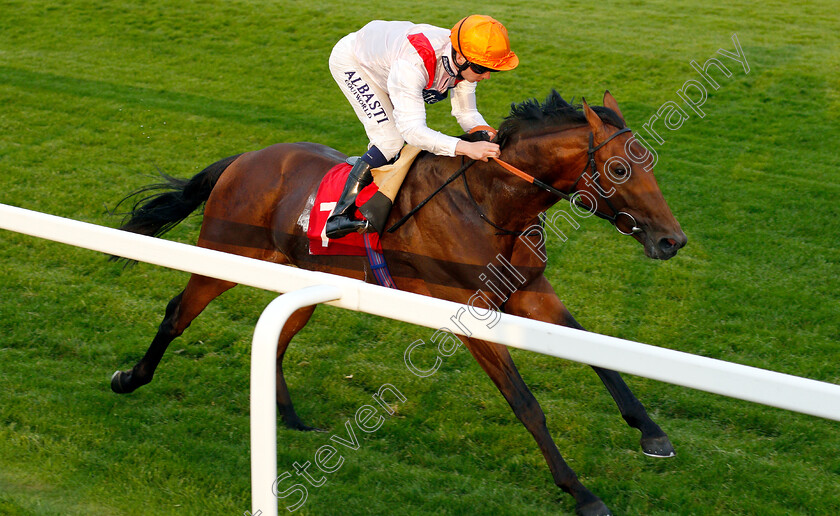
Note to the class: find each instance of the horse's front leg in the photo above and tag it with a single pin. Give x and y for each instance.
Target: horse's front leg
(498, 364)
(541, 303)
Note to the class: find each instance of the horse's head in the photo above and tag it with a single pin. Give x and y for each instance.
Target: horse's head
(619, 176)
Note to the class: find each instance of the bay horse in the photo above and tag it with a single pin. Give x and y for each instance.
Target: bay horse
(255, 204)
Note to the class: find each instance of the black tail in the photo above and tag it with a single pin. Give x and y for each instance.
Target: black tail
(155, 214)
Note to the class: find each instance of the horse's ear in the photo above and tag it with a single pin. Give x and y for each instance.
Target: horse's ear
(609, 101)
(594, 120)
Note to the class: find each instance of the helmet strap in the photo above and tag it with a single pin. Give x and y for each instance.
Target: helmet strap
(466, 64)
(460, 67)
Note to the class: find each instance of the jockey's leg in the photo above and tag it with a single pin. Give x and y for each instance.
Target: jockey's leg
(342, 221)
(374, 109)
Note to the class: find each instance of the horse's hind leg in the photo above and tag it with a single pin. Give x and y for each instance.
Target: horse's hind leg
(180, 312)
(294, 324)
(498, 364)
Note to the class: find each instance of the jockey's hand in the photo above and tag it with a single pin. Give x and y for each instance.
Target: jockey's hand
(488, 131)
(477, 150)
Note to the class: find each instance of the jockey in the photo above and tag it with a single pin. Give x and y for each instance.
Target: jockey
(387, 70)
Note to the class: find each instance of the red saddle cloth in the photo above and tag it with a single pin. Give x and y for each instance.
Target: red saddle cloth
(325, 200)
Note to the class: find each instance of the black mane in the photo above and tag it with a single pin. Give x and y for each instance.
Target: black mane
(554, 112)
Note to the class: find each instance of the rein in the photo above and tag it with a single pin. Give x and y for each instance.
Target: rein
(590, 165)
(484, 217)
(464, 166)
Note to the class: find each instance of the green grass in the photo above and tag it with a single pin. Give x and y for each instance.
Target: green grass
(94, 96)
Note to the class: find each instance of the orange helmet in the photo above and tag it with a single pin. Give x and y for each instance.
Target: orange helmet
(483, 41)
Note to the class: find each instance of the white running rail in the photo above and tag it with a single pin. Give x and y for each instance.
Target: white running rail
(738, 381)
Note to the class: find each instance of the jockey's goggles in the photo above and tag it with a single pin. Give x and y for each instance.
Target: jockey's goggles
(475, 67)
(480, 70)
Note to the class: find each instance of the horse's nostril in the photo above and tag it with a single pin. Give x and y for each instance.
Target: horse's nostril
(667, 244)
(670, 245)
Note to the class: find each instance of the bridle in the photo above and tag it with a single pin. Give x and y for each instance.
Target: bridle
(595, 176)
(590, 166)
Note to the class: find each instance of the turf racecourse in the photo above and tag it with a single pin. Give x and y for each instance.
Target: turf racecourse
(94, 96)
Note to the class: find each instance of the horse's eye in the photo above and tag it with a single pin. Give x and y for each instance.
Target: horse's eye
(619, 171)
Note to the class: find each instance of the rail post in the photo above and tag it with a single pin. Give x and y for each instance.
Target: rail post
(264, 386)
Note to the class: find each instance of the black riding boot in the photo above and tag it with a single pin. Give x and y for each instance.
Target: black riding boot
(342, 222)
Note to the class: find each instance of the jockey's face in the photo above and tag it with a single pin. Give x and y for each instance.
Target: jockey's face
(469, 74)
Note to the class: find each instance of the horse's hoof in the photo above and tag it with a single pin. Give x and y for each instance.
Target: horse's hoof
(304, 428)
(300, 427)
(658, 447)
(596, 508)
(121, 382)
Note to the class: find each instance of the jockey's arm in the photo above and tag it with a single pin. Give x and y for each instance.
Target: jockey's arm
(405, 84)
(464, 107)
(465, 111)
(406, 81)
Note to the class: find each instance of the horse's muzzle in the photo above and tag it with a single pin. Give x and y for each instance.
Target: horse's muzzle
(665, 247)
